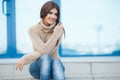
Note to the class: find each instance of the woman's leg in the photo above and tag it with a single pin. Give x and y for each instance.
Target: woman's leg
(41, 68)
(45, 63)
(58, 70)
(34, 70)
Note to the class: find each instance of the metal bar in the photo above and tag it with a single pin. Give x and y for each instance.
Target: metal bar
(11, 28)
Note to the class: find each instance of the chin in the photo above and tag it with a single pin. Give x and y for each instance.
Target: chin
(51, 23)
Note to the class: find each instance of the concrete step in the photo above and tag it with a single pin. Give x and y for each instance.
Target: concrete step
(73, 70)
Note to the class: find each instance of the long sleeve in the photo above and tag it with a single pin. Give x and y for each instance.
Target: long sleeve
(39, 45)
(30, 57)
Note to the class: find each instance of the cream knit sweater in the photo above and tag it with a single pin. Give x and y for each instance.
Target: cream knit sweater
(45, 41)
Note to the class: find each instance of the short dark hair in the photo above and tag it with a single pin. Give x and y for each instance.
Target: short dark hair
(47, 7)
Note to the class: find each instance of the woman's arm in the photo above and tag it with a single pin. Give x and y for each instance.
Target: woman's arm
(40, 46)
(50, 44)
(27, 59)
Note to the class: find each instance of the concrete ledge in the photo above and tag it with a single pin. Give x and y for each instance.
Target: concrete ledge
(71, 59)
(76, 69)
(68, 77)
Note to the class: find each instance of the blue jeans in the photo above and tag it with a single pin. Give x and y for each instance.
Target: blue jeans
(44, 68)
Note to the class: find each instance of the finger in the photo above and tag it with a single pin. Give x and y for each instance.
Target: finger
(21, 67)
(17, 66)
(59, 24)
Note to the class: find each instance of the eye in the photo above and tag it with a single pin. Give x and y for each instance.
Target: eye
(50, 13)
(56, 14)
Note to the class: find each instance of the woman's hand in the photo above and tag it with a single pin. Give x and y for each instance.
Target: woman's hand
(58, 30)
(58, 27)
(20, 65)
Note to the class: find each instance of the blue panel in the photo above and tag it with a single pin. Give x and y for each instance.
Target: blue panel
(11, 30)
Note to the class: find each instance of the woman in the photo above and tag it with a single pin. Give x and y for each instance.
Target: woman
(46, 36)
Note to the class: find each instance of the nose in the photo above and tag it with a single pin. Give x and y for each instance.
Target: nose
(53, 16)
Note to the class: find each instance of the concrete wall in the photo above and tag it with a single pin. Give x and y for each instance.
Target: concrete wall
(76, 70)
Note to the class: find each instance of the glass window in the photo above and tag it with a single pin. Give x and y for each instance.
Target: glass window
(3, 37)
(92, 27)
(26, 16)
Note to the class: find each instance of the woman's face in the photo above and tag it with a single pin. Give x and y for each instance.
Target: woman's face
(51, 17)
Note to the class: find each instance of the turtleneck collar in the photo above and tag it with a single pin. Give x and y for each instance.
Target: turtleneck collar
(45, 28)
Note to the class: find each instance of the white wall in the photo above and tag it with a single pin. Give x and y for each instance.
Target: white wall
(74, 70)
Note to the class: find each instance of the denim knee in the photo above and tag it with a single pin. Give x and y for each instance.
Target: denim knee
(58, 70)
(45, 62)
(34, 70)
(44, 58)
(58, 62)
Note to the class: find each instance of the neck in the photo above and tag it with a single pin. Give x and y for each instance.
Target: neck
(45, 23)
